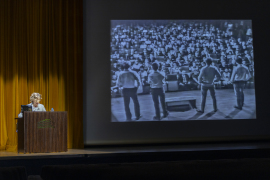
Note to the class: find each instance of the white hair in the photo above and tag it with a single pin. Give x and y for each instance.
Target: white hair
(35, 96)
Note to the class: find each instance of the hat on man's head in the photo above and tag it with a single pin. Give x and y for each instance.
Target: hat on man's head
(239, 60)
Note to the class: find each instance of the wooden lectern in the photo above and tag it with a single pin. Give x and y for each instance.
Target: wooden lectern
(41, 132)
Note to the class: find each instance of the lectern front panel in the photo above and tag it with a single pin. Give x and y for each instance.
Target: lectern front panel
(45, 132)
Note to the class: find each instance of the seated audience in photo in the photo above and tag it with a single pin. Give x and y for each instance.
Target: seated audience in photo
(198, 61)
(186, 44)
(190, 57)
(118, 72)
(114, 88)
(136, 66)
(152, 58)
(115, 55)
(182, 63)
(148, 42)
(136, 54)
(168, 63)
(162, 50)
(113, 80)
(132, 50)
(114, 67)
(144, 55)
(131, 57)
(246, 61)
(214, 63)
(136, 45)
(159, 64)
(164, 71)
(213, 50)
(246, 53)
(194, 83)
(248, 32)
(222, 66)
(143, 45)
(148, 49)
(226, 75)
(174, 69)
(203, 64)
(173, 59)
(147, 64)
(193, 67)
(121, 60)
(179, 57)
(143, 75)
(184, 81)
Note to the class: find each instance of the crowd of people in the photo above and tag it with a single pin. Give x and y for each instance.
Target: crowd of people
(180, 49)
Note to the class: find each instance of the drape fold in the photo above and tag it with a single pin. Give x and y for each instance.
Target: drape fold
(41, 51)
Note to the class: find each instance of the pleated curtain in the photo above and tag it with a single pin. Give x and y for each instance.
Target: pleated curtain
(41, 50)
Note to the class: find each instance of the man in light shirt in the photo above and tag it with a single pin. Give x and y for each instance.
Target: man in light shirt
(126, 80)
(239, 78)
(155, 79)
(208, 75)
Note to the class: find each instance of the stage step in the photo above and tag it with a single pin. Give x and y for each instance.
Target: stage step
(181, 104)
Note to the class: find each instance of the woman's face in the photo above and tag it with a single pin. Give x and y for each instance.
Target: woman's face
(36, 102)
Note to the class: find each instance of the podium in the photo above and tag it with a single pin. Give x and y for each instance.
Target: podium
(42, 132)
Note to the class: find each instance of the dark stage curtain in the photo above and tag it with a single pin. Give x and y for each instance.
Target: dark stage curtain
(41, 50)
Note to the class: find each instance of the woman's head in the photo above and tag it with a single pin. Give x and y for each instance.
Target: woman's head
(35, 98)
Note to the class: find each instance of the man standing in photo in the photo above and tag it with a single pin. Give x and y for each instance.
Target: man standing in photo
(239, 78)
(208, 75)
(126, 80)
(155, 80)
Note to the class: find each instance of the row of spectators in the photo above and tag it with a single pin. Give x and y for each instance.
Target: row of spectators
(181, 48)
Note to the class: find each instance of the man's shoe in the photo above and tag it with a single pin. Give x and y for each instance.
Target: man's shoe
(165, 115)
(156, 118)
(200, 111)
(238, 107)
(215, 110)
(137, 118)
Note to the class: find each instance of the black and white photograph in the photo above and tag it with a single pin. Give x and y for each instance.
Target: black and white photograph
(181, 70)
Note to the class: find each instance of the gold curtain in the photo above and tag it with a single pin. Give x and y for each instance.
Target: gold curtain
(41, 44)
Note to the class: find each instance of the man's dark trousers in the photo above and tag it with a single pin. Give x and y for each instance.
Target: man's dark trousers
(155, 93)
(127, 94)
(239, 92)
(204, 90)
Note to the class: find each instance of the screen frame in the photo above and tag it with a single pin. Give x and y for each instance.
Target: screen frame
(98, 128)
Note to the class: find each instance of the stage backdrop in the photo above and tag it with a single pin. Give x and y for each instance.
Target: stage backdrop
(41, 49)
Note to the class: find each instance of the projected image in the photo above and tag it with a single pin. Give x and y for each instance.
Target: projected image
(182, 70)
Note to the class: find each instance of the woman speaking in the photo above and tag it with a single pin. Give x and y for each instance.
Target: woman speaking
(35, 99)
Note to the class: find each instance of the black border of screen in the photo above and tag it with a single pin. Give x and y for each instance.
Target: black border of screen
(97, 16)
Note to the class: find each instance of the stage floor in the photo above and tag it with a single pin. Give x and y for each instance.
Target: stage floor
(225, 102)
(140, 149)
(34, 162)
